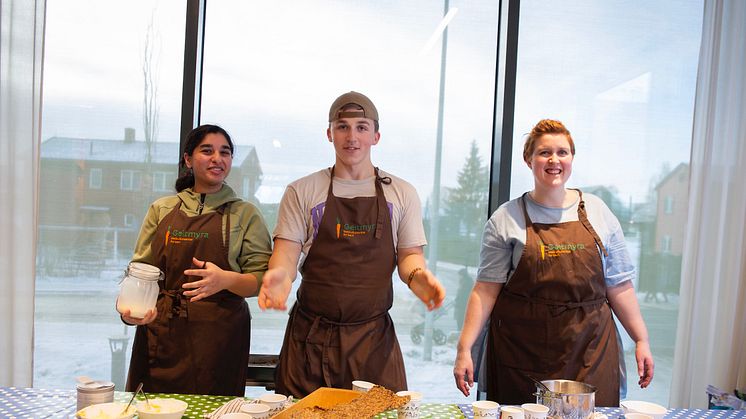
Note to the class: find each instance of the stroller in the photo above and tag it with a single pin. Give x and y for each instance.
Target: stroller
(439, 337)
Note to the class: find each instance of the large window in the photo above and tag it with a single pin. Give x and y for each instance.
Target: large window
(272, 70)
(621, 76)
(103, 60)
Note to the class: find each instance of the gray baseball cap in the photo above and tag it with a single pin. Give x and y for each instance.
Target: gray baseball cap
(369, 109)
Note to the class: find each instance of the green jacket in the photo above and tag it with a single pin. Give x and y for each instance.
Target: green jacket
(250, 245)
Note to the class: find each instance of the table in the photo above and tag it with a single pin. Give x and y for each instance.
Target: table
(616, 413)
(35, 403)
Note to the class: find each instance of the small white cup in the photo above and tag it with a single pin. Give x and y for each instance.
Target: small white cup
(412, 408)
(637, 416)
(653, 410)
(235, 415)
(362, 386)
(511, 412)
(485, 409)
(534, 411)
(275, 402)
(256, 410)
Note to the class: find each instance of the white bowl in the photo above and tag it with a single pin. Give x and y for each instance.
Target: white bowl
(161, 409)
(255, 410)
(274, 401)
(651, 409)
(236, 415)
(637, 416)
(106, 411)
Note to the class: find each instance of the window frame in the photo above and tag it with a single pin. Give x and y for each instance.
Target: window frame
(161, 181)
(668, 202)
(503, 96)
(133, 177)
(98, 177)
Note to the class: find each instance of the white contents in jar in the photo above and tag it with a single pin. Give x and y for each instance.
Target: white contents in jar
(139, 289)
(136, 310)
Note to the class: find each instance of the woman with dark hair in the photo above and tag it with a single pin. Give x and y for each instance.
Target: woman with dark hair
(213, 249)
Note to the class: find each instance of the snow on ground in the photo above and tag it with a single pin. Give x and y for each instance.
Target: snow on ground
(75, 319)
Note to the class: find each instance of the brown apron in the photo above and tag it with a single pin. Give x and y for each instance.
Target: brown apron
(197, 347)
(552, 319)
(339, 328)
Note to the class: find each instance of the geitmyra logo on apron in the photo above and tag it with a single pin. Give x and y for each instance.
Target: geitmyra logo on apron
(353, 230)
(182, 236)
(556, 250)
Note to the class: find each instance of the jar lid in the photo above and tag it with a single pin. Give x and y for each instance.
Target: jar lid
(96, 387)
(144, 271)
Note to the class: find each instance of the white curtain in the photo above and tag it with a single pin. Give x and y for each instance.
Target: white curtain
(21, 53)
(711, 335)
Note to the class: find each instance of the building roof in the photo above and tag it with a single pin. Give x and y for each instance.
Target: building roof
(682, 167)
(66, 148)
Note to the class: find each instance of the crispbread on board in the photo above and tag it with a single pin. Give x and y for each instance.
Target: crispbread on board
(378, 399)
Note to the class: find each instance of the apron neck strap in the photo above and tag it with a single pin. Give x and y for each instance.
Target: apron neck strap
(381, 201)
(522, 201)
(583, 218)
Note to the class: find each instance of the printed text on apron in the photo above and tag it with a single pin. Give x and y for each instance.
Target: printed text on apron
(552, 320)
(339, 328)
(197, 347)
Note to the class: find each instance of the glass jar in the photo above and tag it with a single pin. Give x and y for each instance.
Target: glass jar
(139, 289)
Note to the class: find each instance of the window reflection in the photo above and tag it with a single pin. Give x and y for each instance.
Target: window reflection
(622, 79)
(98, 173)
(271, 71)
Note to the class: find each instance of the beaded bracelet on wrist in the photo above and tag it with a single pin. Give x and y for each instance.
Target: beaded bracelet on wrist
(411, 276)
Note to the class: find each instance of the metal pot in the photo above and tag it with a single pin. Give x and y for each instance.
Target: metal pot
(567, 399)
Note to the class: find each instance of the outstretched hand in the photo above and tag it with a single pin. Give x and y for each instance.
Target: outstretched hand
(428, 289)
(275, 289)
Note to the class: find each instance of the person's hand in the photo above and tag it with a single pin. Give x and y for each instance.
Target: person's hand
(463, 371)
(428, 289)
(211, 280)
(645, 365)
(149, 317)
(275, 289)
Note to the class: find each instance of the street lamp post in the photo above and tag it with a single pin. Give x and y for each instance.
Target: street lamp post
(435, 216)
(118, 347)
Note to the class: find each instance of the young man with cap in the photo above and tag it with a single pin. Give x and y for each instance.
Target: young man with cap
(354, 224)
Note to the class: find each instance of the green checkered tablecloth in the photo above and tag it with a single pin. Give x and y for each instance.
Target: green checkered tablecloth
(17, 402)
(35, 403)
(429, 410)
(198, 407)
(201, 405)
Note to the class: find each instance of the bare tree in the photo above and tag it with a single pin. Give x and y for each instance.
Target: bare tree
(150, 93)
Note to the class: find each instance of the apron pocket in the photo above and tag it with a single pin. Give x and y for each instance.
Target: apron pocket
(572, 337)
(521, 342)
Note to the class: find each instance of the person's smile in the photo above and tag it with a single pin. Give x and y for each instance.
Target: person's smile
(553, 170)
(216, 170)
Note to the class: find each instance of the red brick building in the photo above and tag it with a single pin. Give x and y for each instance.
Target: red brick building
(95, 192)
